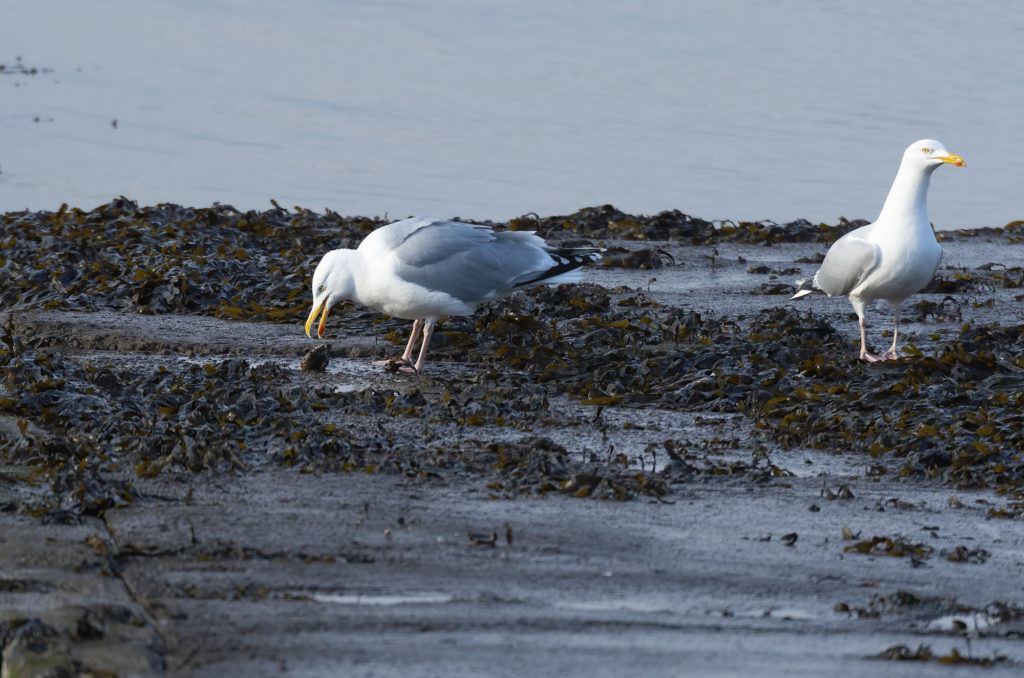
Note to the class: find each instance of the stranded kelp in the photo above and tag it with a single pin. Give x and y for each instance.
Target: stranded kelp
(924, 653)
(92, 426)
(606, 222)
(212, 261)
(953, 412)
(257, 265)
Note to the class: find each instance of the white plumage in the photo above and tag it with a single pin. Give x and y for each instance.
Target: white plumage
(895, 256)
(424, 269)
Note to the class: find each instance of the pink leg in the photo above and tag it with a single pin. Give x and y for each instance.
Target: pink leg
(406, 358)
(891, 354)
(428, 331)
(864, 355)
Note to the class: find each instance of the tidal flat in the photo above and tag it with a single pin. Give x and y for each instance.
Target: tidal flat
(669, 466)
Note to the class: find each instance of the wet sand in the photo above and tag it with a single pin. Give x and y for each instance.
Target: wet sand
(366, 575)
(749, 558)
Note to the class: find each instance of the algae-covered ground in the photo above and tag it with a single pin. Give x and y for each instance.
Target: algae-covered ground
(670, 465)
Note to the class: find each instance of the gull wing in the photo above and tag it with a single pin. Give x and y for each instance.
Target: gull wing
(469, 262)
(847, 263)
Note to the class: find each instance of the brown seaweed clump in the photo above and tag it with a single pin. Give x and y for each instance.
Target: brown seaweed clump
(88, 428)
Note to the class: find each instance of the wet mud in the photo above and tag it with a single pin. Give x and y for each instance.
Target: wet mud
(158, 389)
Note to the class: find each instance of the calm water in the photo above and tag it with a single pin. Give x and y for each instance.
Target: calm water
(748, 109)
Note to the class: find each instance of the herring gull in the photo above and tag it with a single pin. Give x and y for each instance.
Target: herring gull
(894, 257)
(423, 269)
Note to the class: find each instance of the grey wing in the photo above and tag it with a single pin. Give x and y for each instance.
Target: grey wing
(438, 241)
(846, 264)
(467, 261)
(422, 239)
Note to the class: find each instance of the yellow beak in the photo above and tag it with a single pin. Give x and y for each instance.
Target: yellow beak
(953, 160)
(312, 318)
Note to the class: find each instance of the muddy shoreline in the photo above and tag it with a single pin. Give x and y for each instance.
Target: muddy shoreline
(670, 464)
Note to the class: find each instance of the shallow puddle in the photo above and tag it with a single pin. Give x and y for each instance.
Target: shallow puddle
(383, 599)
(970, 621)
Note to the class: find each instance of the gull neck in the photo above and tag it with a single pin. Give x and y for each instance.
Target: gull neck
(908, 198)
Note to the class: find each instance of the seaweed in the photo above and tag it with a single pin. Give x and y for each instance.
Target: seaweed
(952, 413)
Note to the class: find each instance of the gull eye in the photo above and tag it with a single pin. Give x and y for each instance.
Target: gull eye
(926, 150)
(320, 289)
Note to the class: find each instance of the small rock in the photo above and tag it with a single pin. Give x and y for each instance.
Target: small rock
(477, 539)
(317, 359)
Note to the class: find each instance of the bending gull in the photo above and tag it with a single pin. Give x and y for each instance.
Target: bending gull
(423, 269)
(894, 257)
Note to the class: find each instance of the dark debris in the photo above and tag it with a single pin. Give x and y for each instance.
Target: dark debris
(924, 653)
(953, 414)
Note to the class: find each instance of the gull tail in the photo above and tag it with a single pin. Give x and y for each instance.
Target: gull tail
(566, 264)
(804, 287)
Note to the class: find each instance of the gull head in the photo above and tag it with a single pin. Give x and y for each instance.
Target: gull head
(928, 154)
(332, 281)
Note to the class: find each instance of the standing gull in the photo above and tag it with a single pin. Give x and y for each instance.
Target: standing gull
(423, 269)
(894, 257)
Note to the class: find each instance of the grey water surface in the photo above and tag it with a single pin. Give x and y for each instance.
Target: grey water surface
(753, 109)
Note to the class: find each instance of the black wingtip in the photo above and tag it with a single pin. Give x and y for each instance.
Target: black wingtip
(565, 260)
